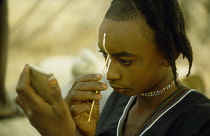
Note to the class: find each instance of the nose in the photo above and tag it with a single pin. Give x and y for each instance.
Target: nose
(112, 71)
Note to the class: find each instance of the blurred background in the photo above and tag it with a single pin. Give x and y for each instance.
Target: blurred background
(60, 36)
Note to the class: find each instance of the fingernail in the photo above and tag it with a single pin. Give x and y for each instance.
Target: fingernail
(99, 96)
(103, 85)
(53, 83)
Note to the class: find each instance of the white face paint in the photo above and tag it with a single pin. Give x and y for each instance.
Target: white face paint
(108, 60)
(104, 42)
(107, 68)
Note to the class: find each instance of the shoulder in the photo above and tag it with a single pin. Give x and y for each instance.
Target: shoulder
(198, 107)
(192, 114)
(196, 101)
(194, 106)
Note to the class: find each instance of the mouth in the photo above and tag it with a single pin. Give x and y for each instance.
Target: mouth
(119, 88)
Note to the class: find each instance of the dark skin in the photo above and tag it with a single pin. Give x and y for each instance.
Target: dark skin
(137, 65)
(54, 119)
(79, 101)
(50, 119)
(134, 57)
(142, 60)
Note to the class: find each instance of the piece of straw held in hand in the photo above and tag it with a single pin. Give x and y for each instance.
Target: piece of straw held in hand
(106, 67)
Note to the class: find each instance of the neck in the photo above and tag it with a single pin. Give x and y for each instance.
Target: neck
(151, 103)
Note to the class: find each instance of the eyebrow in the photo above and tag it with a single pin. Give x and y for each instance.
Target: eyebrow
(120, 54)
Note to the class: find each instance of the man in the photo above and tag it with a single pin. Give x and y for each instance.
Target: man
(141, 39)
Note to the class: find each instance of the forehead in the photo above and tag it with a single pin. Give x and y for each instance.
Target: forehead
(127, 35)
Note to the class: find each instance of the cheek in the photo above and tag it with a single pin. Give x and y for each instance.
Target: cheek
(132, 76)
(142, 77)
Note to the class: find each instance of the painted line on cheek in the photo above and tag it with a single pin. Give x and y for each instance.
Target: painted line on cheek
(107, 67)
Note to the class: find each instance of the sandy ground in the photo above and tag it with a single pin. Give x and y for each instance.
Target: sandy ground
(65, 36)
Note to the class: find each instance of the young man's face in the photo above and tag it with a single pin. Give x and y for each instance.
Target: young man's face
(136, 62)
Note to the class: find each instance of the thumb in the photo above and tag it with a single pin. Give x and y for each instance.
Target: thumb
(55, 92)
(58, 104)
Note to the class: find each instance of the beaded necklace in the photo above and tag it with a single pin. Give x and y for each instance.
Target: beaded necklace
(154, 93)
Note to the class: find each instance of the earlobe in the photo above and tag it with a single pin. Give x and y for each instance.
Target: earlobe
(165, 63)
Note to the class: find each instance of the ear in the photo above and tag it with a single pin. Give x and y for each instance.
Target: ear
(165, 63)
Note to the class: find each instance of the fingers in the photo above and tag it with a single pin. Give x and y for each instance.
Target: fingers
(84, 89)
(20, 103)
(24, 76)
(55, 92)
(23, 85)
(28, 95)
(27, 109)
(84, 96)
(79, 108)
(87, 78)
(83, 110)
(27, 98)
(22, 82)
(80, 83)
(82, 86)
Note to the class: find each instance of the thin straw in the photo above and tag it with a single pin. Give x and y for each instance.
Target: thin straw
(93, 103)
(106, 62)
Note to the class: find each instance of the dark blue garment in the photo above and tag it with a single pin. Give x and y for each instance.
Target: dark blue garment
(112, 111)
(190, 117)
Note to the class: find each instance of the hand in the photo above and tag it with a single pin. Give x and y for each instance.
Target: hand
(50, 119)
(79, 100)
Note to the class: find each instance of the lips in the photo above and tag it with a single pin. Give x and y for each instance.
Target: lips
(119, 89)
(115, 86)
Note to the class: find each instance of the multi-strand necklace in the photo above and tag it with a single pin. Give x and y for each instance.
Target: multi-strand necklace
(154, 93)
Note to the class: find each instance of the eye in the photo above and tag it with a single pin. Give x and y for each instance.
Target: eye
(126, 62)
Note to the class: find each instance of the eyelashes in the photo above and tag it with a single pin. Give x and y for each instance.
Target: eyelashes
(126, 62)
(122, 61)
